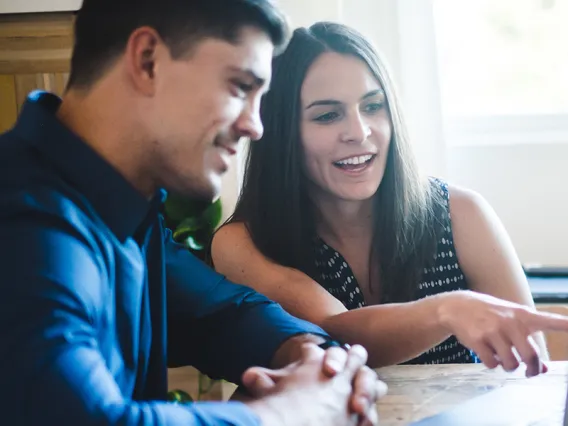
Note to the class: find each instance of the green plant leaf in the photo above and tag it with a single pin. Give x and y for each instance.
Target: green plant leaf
(188, 226)
(179, 396)
(192, 222)
(177, 209)
(213, 214)
(193, 244)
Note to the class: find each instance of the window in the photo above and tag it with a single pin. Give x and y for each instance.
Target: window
(503, 68)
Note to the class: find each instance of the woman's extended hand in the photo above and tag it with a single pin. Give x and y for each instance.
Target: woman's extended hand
(498, 331)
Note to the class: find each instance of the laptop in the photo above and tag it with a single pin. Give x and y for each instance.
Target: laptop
(511, 405)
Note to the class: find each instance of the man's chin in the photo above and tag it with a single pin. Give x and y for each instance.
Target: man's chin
(202, 197)
(202, 190)
(197, 194)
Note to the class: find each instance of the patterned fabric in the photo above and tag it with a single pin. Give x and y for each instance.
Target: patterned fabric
(444, 275)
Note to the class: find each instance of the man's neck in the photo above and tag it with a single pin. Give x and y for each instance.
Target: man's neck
(104, 125)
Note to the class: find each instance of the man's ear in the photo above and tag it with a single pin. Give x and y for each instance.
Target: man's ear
(140, 56)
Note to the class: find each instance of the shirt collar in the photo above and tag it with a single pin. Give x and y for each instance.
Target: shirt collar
(117, 202)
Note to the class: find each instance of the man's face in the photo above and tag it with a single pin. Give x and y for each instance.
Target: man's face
(203, 105)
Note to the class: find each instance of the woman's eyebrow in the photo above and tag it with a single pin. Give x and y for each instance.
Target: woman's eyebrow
(323, 102)
(328, 102)
(373, 93)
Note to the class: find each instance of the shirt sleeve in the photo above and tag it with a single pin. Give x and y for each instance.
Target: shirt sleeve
(233, 326)
(51, 365)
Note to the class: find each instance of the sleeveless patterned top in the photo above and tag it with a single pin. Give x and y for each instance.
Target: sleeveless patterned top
(444, 275)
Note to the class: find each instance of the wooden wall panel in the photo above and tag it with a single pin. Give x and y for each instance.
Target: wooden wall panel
(25, 83)
(35, 50)
(8, 103)
(35, 43)
(59, 82)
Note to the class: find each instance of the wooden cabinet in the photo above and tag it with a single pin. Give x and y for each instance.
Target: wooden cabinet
(35, 52)
(27, 6)
(556, 341)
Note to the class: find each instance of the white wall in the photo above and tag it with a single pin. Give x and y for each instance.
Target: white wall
(527, 186)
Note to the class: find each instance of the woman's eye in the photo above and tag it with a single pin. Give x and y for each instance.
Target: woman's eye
(374, 107)
(327, 117)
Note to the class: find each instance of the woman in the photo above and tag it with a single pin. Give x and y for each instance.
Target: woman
(336, 224)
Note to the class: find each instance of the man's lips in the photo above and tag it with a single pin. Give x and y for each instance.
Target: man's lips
(229, 148)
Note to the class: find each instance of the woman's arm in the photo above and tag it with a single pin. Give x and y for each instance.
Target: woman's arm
(486, 254)
(391, 333)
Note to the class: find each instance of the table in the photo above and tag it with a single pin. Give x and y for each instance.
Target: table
(419, 391)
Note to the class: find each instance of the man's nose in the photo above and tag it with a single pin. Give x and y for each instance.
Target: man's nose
(250, 125)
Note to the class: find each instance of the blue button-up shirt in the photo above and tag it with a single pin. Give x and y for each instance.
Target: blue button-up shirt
(96, 300)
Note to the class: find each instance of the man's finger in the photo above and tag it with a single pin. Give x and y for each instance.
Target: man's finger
(367, 389)
(371, 420)
(311, 352)
(356, 358)
(334, 361)
(381, 388)
(257, 381)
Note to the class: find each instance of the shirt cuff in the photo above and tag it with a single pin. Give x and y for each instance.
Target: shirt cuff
(230, 413)
(274, 326)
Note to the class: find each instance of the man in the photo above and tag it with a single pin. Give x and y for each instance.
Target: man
(96, 299)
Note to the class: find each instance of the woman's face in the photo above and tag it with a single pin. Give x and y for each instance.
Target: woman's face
(345, 127)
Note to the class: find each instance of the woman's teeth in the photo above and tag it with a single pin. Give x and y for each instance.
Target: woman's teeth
(355, 160)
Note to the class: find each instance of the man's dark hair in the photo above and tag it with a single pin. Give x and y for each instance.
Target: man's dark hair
(102, 28)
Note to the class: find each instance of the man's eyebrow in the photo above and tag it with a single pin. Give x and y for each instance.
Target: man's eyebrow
(257, 80)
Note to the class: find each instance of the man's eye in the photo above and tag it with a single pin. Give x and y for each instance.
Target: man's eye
(242, 89)
(246, 87)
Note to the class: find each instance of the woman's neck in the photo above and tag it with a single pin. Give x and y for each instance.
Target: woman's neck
(340, 222)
